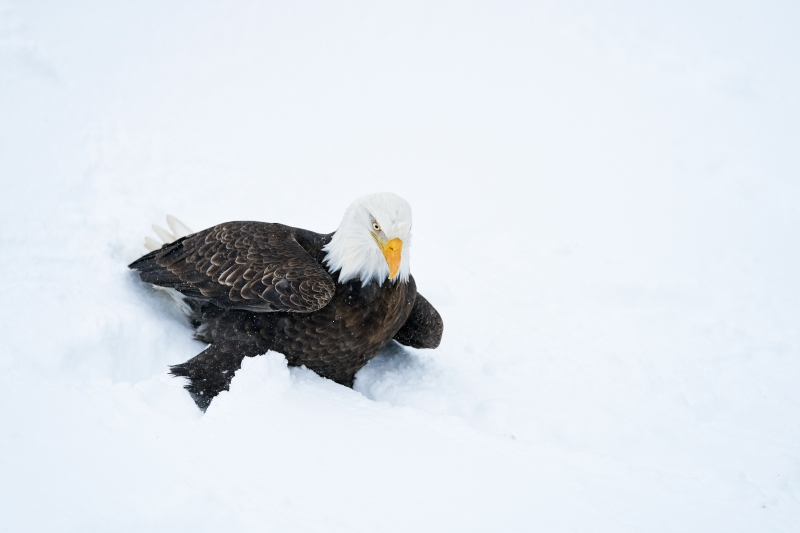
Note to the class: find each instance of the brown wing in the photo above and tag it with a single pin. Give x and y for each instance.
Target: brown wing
(242, 265)
(423, 327)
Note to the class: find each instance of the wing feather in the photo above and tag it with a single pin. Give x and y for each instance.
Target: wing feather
(242, 265)
(424, 326)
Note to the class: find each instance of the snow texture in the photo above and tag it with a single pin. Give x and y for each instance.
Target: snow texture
(606, 214)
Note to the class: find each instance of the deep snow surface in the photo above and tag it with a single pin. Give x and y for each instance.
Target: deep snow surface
(606, 212)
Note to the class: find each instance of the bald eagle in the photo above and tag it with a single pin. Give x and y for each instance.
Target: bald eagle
(326, 301)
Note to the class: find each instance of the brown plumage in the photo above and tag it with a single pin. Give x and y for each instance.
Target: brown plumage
(255, 286)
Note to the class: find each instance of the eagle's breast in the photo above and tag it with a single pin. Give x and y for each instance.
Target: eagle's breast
(343, 336)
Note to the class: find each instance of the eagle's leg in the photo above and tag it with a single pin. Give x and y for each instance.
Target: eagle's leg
(232, 335)
(209, 373)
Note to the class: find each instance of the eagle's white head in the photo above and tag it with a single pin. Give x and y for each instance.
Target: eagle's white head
(373, 240)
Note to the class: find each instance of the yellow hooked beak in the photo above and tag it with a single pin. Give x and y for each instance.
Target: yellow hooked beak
(391, 251)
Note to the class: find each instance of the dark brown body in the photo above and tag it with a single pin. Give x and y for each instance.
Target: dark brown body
(335, 341)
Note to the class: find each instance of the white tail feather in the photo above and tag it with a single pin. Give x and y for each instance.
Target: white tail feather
(179, 229)
(152, 244)
(163, 234)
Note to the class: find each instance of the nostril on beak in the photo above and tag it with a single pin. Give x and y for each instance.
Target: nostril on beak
(395, 245)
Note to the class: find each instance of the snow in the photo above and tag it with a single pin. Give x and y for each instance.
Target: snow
(606, 215)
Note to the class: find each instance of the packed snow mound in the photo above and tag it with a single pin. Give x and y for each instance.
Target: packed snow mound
(605, 205)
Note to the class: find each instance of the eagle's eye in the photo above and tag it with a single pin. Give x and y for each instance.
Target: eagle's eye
(375, 226)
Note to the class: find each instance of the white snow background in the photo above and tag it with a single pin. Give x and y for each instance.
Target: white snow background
(606, 207)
